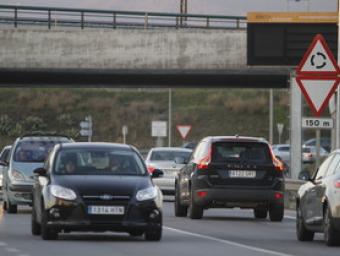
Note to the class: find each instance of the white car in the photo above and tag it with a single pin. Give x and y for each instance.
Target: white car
(308, 153)
(4, 158)
(163, 158)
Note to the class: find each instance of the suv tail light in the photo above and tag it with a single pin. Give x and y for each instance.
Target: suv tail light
(337, 183)
(151, 169)
(205, 161)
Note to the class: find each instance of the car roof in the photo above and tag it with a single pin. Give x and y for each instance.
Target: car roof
(95, 145)
(42, 138)
(171, 149)
(236, 138)
(281, 145)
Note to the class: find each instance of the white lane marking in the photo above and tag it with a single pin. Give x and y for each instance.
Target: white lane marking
(211, 238)
(290, 217)
(9, 249)
(3, 243)
(23, 255)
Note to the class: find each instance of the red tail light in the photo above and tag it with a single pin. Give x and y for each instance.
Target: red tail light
(202, 194)
(337, 183)
(151, 169)
(278, 195)
(205, 161)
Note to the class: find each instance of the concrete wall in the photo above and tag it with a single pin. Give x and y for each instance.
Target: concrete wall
(122, 48)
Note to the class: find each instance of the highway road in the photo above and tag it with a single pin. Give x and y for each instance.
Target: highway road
(220, 232)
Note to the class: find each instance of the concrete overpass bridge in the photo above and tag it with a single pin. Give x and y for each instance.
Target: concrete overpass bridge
(76, 47)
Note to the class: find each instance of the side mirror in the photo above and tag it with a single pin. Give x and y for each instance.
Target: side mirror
(40, 172)
(2, 163)
(157, 173)
(180, 160)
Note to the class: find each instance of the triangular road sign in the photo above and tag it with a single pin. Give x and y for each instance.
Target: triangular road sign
(318, 91)
(183, 130)
(318, 60)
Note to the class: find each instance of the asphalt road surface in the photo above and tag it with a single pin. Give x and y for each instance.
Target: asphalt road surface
(220, 232)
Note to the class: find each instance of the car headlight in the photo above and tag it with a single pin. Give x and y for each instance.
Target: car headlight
(146, 194)
(62, 193)
(16, 175)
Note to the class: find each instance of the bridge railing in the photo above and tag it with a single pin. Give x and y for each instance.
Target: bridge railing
(50, 17)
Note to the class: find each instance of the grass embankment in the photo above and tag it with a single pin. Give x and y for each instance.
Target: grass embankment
(209, 111)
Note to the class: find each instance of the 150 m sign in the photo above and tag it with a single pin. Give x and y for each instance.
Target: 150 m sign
(317, 123)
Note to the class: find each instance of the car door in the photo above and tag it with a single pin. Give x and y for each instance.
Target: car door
(39, 183)
(188, 170)
(321, 185)
(313, 202)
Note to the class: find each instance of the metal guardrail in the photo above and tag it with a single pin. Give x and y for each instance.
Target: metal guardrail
(50, 17)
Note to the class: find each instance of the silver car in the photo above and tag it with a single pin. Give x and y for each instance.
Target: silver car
(318, 203)
(27, 154)
(4, 158)
(163, 158)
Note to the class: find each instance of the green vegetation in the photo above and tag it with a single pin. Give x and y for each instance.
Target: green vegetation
(209, 111)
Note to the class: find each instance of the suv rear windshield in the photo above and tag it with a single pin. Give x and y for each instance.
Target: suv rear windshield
(249, 152)
(35, 151)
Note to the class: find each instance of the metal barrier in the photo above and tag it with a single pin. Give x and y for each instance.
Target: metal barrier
(91, 18)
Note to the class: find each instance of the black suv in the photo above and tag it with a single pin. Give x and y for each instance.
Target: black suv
(228, 172)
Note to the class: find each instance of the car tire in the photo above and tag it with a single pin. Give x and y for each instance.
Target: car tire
(180, 210)
(302, 233)
(47, 233)
(195, 211)
(136, 233)
(11, 208)
(4, 205)
(260, 213)
(35, 226)
(276, 212)
(331, 236)
(153, 235)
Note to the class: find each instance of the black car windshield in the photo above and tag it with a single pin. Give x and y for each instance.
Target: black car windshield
(98, 162)
(35, 151)
(162, 155)
(241, 152)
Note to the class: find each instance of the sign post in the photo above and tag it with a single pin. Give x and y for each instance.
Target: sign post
(318, 78)
(158, 130)
(86, 128)
(280, 130)
(183, 130)
(124, 132)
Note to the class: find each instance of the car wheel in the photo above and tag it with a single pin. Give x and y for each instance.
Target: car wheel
(136, 233)
(47, 233)
(35, 226)
(153, 235)
(302, 233)
(180, 210)
(332, 237)
(4, 205)
(195, 211)
(260, 213)
(11, 208)
(276, 212)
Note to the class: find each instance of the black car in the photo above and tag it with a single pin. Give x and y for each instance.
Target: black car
(227, 172)
(96, 187)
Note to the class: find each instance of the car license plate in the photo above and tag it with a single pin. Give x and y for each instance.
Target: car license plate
(242, 174)
(106, 210)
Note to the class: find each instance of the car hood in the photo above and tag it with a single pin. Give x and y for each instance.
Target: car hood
(103, 184)
(26, 168)
(165, 165)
